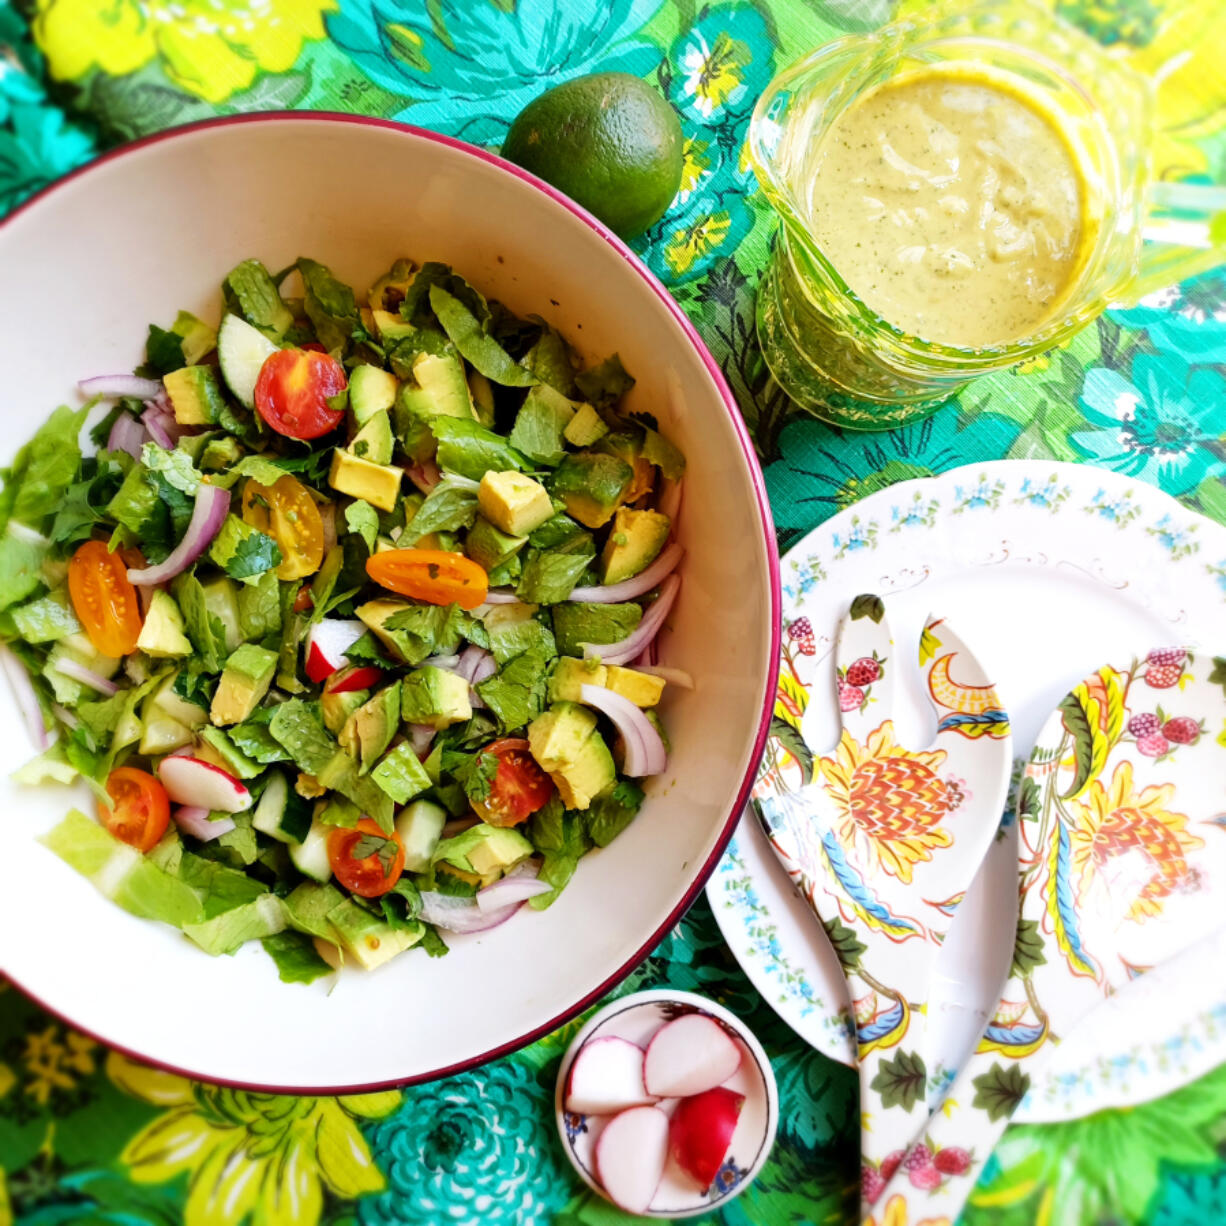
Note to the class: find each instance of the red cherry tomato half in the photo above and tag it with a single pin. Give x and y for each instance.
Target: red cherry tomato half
(364, 859)
(293, 389)
(519, 788)
(139, 811)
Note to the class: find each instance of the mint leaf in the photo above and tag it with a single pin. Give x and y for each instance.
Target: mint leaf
(471, 337)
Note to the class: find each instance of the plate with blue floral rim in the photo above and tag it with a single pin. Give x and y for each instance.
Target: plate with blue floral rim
(1049, 569)
(637, 1017)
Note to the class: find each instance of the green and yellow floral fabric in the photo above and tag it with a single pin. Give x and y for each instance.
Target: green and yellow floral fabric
(88, 1136)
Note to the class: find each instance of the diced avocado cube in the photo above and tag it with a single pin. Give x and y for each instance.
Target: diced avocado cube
(375, 613)
(585, 428)
(629, 445)
(513, 503)
(162, 634)
(196, 337)
(244, 682)
(484, 849)
(368, 941)
(371, 390)
(588, 774)
(488, 546)
(389, 291)
(378, 484)
(391, 327)
(438, 389)
(576, 623)
(436, 697)
(218, 454)
(369, 730)
(216, 747)
(419, 828)
(251, 921)
(401, 774)
(48, 618)
(592, 485)
(642, 689)
(337, 708)
(634, 542)
(194, 395)
(556, 736)
(373, 441)
(570, 673)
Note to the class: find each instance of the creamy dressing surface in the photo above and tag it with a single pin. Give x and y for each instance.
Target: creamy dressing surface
(951, 206)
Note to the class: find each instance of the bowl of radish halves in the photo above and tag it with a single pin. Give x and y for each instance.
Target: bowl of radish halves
(666, 1104)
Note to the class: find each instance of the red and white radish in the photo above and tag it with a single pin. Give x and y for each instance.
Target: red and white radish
(700, 1132)
(327, 642)
(353, 677)
(607, 1076)
(189, 781)
(630, 1156)
(688, 1055)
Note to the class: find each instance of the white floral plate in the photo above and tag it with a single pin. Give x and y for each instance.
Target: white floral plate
(1051, 569)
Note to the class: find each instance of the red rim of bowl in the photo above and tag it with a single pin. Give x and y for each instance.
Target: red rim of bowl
(768, 532)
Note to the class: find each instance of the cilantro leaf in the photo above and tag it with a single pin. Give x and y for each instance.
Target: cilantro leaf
(361, 518)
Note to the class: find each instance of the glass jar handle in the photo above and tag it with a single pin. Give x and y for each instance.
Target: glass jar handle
(1184, 233)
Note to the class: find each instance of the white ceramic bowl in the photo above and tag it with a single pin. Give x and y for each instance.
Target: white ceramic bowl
(152, 228)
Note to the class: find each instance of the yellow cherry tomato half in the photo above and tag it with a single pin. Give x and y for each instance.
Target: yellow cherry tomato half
(287, 512)
(430, 575)
(104, 601)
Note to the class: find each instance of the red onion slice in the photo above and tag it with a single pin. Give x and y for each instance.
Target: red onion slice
(196, 822)
(461, 914)
(420, 736)
(485, 668)
(629, 648)
(114, 386)
(208, 515)
(674, 676)
(27, 699)
(155, 423)
(517, 886)
(652, 577)
(500, 596)
(645, 752)
(424, 475)
(78, 672)
(127, 434)
(447, 663)
(65, 716)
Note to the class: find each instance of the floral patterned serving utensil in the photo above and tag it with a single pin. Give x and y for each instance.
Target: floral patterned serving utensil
(1122, 837)
(883, 842)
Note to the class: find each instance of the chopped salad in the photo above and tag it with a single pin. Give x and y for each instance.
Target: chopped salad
(350, 619)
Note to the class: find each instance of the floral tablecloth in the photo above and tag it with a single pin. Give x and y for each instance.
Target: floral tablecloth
(87, 1136)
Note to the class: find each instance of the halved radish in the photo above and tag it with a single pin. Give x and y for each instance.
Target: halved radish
(690, 1054)
(630, 1156)
(198, 784)
(327, 642)
(607, 1076)
(353, 677)
(700, 1132)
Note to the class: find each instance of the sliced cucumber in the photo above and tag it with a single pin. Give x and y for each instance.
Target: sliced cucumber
(242, 350)
(420, 827)
(282, 813)
(310, 857)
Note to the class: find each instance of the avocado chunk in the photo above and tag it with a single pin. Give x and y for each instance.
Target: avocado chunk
(194, 395)
(642, 689)
(629, 445)
(160, 735)
(373, 441)
(483, 850)
(513, 503)
(196, 338)
(401, 774)
(635, 541)
(162, 635)
(259, 606)
(490, 547)
(369, 730)
(377, 484)
(585, 428)
(437, 388)
(244, 681)
(576, 623)
(337, 708)
(368, 941)
(591, 772)
(571, 673)
(436, 697)
(375, 613)
(557, 736)
(391, 327)
(389, 291)
(216, 747)
(48, 618)
(371, 390)
(592, 485)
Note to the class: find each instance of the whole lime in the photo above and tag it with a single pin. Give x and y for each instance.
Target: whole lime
(609, 141)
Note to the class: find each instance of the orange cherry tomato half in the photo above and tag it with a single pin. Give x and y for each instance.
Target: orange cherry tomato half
(430, 575)
(292, 392)
(104, 601)
(287, 512)
(365, 860)
(519, 787)
(140, 809)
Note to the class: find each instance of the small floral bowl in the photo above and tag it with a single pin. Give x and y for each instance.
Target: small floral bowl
(637, 1018)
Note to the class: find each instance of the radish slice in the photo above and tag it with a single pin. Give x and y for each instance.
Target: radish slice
(189, 781)
(639, 585)
(359, 677)
(686, 1056)
(113, 386)
(208, 515)
(78, 672)
(196, 821)
(645, 752)
(327, 642)
(607, 1076)
(629, 648)
(700, 1132)
(127, 434)
(630, 1157)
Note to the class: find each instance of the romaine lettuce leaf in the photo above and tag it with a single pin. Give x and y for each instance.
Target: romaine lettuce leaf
(329, 303)
(609, 815)
(259, 606)
(295, 956)
(539, 423)
(252, 921)
(430, 630)
(660, 452)
(472, 338)
(604, 385)
(516, 694)
(175, 466)
(206, 631)
(550, 577)
(48, 618)
(249, 292)
(550, 360)
(20, 568)
(254, 737)
(43, 469)
(401, 775)
(298, 728)
(362, 519)
(448, 508)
